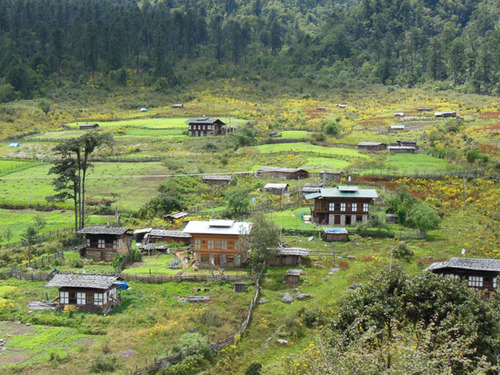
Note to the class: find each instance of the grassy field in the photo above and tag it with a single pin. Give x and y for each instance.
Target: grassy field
(132, 184)
(158, 264)
(19, 220)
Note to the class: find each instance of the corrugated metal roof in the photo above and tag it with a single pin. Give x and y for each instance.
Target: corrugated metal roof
(336, 192)
(293, 272)
(141, 231)
(82, 281)
(204, 227)
(178, 215)
(370, 143)
(473, 264)
(274, 185)
(103, 230)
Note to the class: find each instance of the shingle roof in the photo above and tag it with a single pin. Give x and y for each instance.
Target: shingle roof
(275, 185)
(473, 264)
(82, 281)
(370, 143)
(178, 215)
(169, 233)
(292, 251)
(293, 272)
(103, 230)
(278, 169)
(203, 120)
(217, 177)
(336, 192)
(205, 227)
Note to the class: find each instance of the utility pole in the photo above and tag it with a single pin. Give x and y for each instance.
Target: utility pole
(31, 188)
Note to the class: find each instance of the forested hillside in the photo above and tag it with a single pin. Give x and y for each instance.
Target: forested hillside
(48, 43)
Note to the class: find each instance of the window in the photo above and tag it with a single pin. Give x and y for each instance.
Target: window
(101, 244)
(217, 244)
(331, 206)
(365, 207)
(98, 299)
(354, 207)
(230, 259)
(210, 244)
(495, 282)
(223, 245)
(197, 244)
(80, 298)
(64, 297)
(209, 127)
(88, 242)
(342, 207)
(475, 281)
(114, 244)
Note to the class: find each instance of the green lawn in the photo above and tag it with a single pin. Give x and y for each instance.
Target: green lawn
(158, 265)
(295, 134)
(417, 163)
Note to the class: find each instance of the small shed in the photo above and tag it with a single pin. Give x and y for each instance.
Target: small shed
(240, 286)
(331, 175)
(217, 180)
(335, 235)
(178, 105)
(399, 114)
(446, 114)
(312, 187)
(391, 218)
(424, 109)
(293, 276)
(276, 188)
(144, 109)
(371, 146)
(341, 106)
(160, 235)
(290, 256)
(90, 293)
(89, 126)
(104, 243)
(15, 144)
(397, 128)
(175, 216)
(284, 173)
(321, 108)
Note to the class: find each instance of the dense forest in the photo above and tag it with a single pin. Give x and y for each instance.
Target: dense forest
(45, 43)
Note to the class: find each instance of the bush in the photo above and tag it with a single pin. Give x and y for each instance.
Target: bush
(174, 264)
(254, 369)
(105, 363)
(403, 252)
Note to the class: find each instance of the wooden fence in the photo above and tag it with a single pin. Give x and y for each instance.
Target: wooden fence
(158, 363)
(161, 278)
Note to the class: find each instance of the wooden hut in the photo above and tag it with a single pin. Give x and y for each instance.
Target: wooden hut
(89, 126)
(283, 173)
(293, 276)
(371, 146)
(217, 180)
(90, 293)
(335, 235)
(397, 128)
(336, 176)
(391, 219)
(204, 126)
(175, 216)
(276, 188)
(104, 243)
(240, 286)
(291, 256)
(311, 187)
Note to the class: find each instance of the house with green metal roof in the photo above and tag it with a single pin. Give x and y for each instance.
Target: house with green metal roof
(343, 205)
